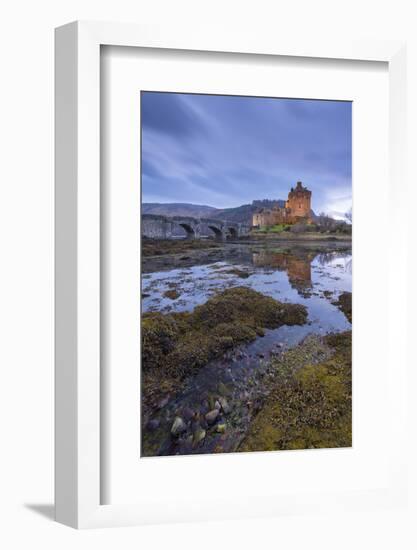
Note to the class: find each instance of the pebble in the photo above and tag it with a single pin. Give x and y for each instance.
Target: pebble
(178, 426)
(225, 405)
(188, 413)
(221, 428)
(217, 405)
(212, 415)
(199, 435)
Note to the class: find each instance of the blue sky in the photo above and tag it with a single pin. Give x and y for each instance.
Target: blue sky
(225, 151)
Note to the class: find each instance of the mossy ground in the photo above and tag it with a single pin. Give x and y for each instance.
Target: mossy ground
(310, 404)
(174, 345)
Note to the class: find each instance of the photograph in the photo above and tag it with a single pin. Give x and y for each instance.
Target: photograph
(246, 273)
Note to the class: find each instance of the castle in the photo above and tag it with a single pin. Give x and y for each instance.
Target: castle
(297, 209)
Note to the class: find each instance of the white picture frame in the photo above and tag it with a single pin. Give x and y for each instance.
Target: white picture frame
(77, 422)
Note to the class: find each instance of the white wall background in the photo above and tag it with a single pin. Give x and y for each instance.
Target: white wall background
(26, 286)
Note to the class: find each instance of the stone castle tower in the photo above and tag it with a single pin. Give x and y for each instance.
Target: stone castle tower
(297, 209)
(299, 201)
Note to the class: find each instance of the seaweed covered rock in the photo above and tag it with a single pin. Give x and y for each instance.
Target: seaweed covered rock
(249, 307)
(155, 247)
(344, 303)
(178, 343)
(160, 335)
(172, 294)
(310, 405)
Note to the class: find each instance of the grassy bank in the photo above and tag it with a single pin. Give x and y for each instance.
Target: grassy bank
(310, 404)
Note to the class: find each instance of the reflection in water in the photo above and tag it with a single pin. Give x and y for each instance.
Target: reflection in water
(298, 273)
(325, 258)
(297, 266)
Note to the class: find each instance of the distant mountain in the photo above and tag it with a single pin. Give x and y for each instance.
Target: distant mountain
(245, 212)
(268, 203)
(238, 214)
(178, 209)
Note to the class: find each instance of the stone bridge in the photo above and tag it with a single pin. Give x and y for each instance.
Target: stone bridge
(163, 227)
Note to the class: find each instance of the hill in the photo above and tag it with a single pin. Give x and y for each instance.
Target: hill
(238, 214)
(245, 212)
(178, 209)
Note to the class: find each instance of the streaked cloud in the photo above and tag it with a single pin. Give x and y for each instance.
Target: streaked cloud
(225, 151)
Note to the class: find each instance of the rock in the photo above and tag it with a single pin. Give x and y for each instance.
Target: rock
(198, 436)
(179, 426)
(212, 415)
(152, 425)
(221, 428)
(225, 405)
(217, 405)
(188, 413)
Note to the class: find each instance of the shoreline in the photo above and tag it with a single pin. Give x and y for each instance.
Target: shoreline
(307, 237)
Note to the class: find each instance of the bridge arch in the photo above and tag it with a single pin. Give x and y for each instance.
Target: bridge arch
(217, 231)
(232, 232)
(189, 230)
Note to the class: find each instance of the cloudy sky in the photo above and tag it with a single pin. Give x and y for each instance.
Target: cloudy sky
(225, 151)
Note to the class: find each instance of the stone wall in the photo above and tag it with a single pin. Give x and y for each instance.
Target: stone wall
(155, 227)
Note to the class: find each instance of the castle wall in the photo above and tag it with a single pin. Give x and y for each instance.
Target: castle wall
(297, 208)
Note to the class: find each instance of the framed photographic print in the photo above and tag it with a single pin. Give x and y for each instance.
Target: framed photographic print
(218, 279)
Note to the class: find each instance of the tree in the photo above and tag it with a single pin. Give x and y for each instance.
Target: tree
(325, 222)
(348, 215)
